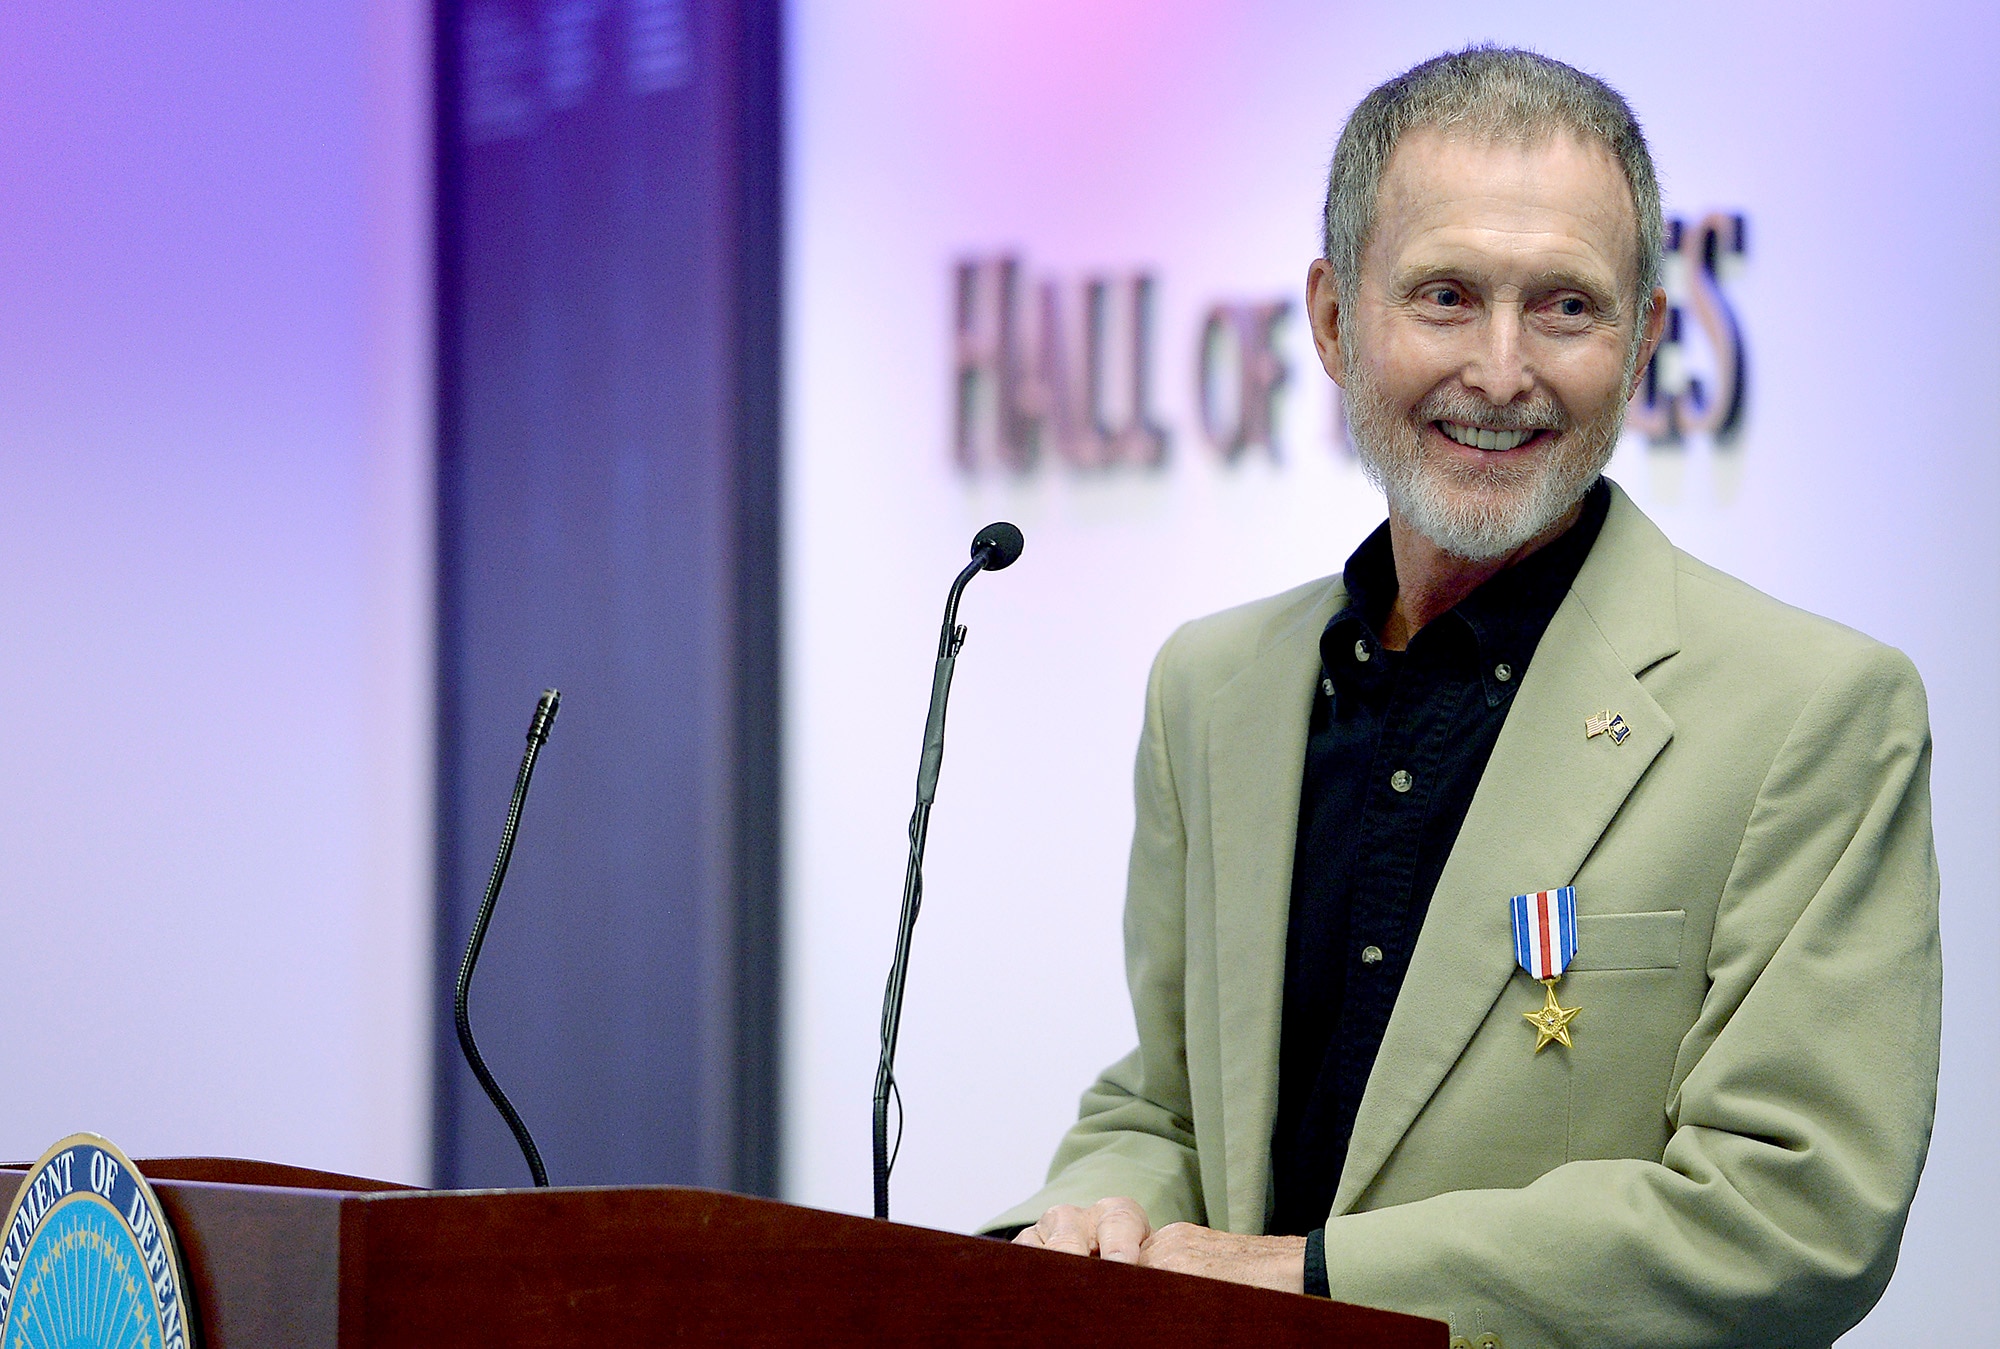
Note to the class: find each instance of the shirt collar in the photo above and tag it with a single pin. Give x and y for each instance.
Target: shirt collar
(1498, 625)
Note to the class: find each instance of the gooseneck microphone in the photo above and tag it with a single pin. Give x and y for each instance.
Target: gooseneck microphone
(538, 734)
(993, 548)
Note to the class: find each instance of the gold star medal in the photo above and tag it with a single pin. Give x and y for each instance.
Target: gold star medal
(1551, 1020)
(1544, 944)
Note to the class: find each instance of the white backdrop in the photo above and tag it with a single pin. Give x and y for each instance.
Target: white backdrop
(1192, 139)
(214, 626)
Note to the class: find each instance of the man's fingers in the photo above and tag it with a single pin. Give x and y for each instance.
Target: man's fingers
(1112, 1228)
(1068, 1229)
(1119, 1236)
(1121, 1230)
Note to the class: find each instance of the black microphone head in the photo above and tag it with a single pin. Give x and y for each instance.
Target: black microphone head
(1003, 544)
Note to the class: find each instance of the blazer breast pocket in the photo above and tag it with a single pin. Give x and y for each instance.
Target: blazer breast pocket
(1629, 941)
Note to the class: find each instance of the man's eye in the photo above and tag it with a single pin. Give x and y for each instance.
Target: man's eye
(1447, 297)
(1570, 307)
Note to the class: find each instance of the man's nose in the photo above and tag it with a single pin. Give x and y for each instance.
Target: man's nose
(1496, 366)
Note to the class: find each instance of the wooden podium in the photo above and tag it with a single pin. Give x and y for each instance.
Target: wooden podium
(284, 1258)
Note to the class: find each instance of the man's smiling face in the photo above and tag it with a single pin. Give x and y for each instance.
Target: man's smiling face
(1489, 348)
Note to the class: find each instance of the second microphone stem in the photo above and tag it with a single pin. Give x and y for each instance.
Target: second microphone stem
(951, 638)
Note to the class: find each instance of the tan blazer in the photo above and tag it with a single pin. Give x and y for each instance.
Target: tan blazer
(1728, 1153)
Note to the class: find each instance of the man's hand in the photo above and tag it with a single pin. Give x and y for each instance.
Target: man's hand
(1262, 1262)
(1117, 1230)
(1112, 1229)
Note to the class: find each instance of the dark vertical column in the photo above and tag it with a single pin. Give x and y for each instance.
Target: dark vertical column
(609, 248)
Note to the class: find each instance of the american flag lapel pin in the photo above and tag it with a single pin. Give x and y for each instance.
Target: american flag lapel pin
(1606, 723)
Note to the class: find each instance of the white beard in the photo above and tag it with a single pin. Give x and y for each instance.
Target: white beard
(1481, 511)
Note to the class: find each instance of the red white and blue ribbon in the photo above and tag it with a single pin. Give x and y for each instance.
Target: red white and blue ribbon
(1545, 931)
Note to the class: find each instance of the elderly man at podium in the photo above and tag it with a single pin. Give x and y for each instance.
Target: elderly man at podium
(1530, 927)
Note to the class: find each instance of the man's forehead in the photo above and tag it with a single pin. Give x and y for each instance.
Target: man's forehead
(1552, 205)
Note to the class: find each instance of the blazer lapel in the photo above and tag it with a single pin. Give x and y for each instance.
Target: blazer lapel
(1547, 795)
(1256, 760)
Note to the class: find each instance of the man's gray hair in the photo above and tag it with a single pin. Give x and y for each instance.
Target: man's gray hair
(1493, 93)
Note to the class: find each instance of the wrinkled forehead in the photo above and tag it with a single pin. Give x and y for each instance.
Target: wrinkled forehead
(1514, 201)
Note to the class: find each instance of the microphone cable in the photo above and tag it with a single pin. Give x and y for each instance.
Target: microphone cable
(538, 734)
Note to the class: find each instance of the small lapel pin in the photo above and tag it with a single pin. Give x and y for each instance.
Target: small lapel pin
(1606, 723)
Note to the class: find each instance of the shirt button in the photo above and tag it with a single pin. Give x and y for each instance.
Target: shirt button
(1503, 672)
(1361, 648)
(1326, 687)
(1401, 780)
(1371, 955)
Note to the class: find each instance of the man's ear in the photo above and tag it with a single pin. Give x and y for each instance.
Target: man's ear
(1323, 313)
(1656, 328)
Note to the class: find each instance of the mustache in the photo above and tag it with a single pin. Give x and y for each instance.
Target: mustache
(1455, 403)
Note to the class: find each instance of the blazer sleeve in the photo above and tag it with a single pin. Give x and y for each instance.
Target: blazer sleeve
(1806, 1087)
(1134, 1134)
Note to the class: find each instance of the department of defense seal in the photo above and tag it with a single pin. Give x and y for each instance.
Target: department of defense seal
(87, 1260)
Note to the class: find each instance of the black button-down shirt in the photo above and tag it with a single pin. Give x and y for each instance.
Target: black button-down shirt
(1397, 745)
